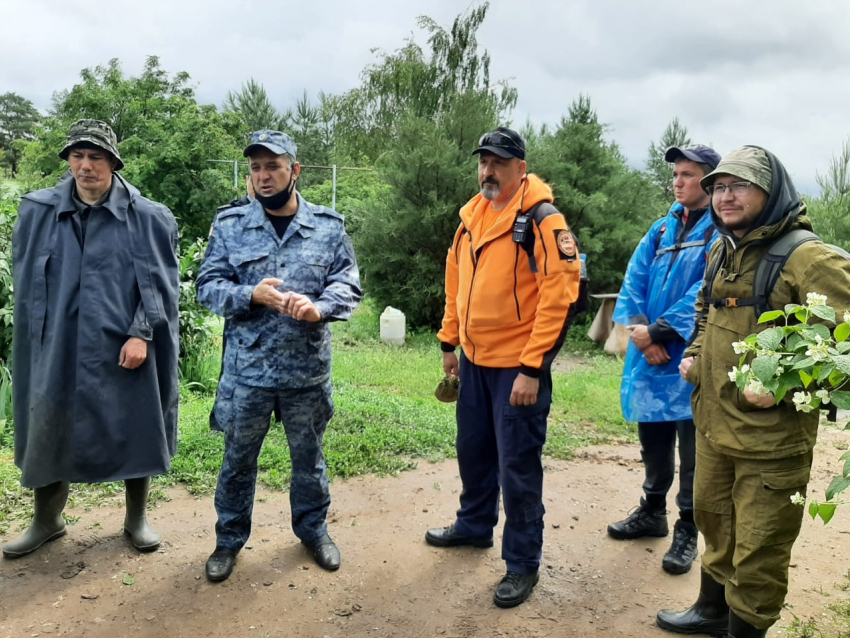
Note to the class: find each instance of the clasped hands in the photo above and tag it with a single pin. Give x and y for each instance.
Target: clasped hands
(289, 303)
(655, 353)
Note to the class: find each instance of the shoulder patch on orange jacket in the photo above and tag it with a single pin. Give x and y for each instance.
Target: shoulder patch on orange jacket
(566, 244)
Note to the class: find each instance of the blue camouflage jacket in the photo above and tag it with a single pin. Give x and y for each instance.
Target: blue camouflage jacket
(314, 257)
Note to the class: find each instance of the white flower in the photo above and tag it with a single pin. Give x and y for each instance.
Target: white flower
(733, 374)
(756, 387)
(740, 347)
(798, 499)
(745, 369)
(814, 299)
(823, 395)
(847, 317)
(819, 351)
(803, 402)
(780, 371)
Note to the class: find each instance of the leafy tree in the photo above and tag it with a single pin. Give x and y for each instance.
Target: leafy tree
(253, 107)
(831, 211)
(165, 139)
(421, 118)
(18, 120)
(676, 134)
(607, 204)
(409, 83)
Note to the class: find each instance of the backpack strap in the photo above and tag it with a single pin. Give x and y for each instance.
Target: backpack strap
(767, 272)
(537, 214)
(680, 246)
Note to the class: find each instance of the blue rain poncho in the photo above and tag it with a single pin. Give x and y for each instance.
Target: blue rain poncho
(662, 282)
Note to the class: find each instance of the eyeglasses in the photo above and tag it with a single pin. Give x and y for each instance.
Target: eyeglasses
(736, 188)
(499, 140)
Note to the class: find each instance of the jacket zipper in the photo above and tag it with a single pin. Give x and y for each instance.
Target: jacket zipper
(516, 283)
(471, 286)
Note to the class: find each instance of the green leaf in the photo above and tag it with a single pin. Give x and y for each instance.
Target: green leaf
(791, 308)
(842, 362)
(838, 485)
(805, 362)
(819, 329)
(796, 342)
(780, 392)
(836, 378)
(824, 372)
(844, 457)
(765, 367)
(802, 316)
(824, 312)
(844, 346)
(841, 399)
(791, 379)
(813, 510)
(846, 471)
(842, 332)
(128, 579)
(826, 510)
(770, 339)
(805, 378)
(773, 315)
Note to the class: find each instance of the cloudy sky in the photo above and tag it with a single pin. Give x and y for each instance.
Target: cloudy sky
(769, 72)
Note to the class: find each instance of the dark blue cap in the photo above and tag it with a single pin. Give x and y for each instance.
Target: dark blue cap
(277, 142)
(699, 153)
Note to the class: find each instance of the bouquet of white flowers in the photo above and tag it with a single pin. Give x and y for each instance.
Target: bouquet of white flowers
(809, 360)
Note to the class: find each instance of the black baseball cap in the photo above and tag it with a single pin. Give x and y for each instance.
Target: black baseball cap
(699, 153)
(502, 142)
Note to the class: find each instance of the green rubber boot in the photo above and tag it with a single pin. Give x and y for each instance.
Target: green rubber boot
(136, 526)
(47, 522)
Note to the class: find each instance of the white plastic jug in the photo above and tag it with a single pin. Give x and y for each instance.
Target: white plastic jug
(392, 326)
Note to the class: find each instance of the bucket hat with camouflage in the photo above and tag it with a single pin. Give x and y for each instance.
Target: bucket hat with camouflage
(94, 132)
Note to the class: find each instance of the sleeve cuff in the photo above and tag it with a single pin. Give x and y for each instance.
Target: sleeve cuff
(141, 332)
(639, 320)
(447, 347)
(534, 373)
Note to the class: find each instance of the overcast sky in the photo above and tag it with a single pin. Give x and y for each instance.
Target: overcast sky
(769, 72)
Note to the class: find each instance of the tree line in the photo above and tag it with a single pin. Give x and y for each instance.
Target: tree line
(414, 119)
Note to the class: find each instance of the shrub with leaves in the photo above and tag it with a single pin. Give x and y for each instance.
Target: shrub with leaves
(809, 360)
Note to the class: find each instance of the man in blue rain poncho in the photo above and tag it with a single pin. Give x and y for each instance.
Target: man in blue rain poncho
(657, 302)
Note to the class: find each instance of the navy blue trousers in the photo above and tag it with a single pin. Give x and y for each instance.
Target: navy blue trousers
(658, 451)
(500, 446)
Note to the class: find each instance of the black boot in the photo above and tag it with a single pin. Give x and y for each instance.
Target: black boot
(47, 522)
(741, 629)
(683, 550)
(708, 615)
(142, 535)
(644, 521)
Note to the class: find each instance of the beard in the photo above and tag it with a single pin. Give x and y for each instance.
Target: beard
(490, 190)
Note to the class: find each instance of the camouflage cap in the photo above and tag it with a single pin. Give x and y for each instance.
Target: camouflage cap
(94, 132)
(277, 142)
(748, 162)
(447, 390)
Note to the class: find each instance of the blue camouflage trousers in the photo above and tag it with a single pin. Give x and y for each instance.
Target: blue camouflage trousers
(244, 413)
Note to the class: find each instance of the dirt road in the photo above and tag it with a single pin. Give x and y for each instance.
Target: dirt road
(391, 583)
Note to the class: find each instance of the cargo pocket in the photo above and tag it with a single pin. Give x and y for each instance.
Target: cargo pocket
(779, 520)
(223, 408)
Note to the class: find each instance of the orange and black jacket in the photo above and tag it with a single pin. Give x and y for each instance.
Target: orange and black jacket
(497, 310)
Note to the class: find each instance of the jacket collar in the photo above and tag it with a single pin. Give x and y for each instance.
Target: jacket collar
(121, 196)
(304, 216)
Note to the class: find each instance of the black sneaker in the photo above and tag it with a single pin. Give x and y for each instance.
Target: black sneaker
(644, 521)
(514, 589)
(683, 550)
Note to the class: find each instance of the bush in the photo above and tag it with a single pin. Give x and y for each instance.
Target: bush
(200, 358)
(9, 199)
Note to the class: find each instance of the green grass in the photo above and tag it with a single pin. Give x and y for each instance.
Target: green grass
(834, 622)
(387, 420)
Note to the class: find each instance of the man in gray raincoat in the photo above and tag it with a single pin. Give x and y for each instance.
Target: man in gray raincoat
(95, 338)
(278, 269)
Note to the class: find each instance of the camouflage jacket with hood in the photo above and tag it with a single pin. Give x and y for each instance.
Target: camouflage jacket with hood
(730, 423)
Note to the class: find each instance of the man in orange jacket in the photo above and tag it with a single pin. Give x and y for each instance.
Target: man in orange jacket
(511, 274)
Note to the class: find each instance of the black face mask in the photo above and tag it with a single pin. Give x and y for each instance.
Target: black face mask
(278, 200)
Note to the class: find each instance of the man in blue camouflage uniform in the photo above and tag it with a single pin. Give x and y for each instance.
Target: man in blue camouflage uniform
(278, 269)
